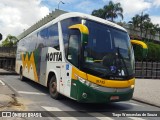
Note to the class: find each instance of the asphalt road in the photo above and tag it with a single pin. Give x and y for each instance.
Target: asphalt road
(36, 98)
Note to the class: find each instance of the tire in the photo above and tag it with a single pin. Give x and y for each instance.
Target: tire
(53, 88)
(21, 74)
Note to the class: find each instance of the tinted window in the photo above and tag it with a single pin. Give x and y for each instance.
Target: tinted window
(65, 30)
(42, 37)
(73, 49)
(32, 43)
(53, 37)
(99, 40)
(48, 37)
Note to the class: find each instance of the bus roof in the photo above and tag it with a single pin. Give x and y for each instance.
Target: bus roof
(90, 17)
(59, 15)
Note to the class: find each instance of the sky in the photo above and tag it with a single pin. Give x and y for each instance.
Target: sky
(18, 15)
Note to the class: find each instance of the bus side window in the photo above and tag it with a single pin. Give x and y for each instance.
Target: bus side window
(32, 43)
(42, 37)
(73, 49)
(53, 37)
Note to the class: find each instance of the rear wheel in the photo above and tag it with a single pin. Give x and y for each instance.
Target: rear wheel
(53, 88)
(21, 74)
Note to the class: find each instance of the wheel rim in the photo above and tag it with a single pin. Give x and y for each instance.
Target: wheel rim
(53, 87)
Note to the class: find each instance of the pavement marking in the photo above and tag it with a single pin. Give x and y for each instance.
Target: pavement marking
(2, 82)
(51, 108)
(57, 109)
(131, 103)
(135, 104)
(31, 93)
(103, 117)
(136, 118)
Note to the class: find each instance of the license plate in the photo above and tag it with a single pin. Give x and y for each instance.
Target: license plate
(114, 98)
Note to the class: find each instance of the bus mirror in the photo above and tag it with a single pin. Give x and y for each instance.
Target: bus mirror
(143, 45)
(0, 36)
(84, 31)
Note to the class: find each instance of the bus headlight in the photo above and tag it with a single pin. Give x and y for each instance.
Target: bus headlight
(86, 82)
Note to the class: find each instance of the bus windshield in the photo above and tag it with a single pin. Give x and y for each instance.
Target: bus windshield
(108, 53)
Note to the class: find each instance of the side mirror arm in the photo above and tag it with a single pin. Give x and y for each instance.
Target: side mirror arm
(143, 45)
(84, 31)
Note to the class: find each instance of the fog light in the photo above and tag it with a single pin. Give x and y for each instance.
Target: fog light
(84, 95)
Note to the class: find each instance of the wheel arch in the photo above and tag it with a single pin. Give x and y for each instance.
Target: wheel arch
(50, 74)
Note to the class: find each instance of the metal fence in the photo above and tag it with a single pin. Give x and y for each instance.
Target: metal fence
(147, 70)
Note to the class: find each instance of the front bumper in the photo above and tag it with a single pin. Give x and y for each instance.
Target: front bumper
(87, 94)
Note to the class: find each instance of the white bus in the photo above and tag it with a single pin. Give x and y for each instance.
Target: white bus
(80, 56)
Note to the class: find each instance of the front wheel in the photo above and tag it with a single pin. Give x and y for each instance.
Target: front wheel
(53, 88)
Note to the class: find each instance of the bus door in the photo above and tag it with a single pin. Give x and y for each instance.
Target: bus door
(65, 79)
(43, 65)
(72, 56)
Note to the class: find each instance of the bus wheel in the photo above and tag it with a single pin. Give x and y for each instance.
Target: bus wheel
(21, 74)
(53, 88)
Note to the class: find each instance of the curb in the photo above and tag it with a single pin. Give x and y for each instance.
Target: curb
(146, 102)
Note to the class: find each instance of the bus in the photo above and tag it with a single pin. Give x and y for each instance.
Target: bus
(80, 56)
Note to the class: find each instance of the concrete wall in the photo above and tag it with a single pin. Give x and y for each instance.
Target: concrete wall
(7, 57)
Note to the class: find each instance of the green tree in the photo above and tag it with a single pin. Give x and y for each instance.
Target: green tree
(135, 21)
(153, 30)
(10, 41)
(147, 25)
(158, 30)
(110, 11)
(142, 22)
(99, 13)
(144, 18)
(113, 10)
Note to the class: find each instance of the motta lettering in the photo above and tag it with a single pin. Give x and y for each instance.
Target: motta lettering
(56, 56)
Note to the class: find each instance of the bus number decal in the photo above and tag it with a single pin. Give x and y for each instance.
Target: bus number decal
(100, 82)
(56, 56)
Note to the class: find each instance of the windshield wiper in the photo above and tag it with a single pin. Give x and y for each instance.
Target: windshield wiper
(120, 57)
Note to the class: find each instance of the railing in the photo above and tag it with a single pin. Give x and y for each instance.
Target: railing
(147, 70)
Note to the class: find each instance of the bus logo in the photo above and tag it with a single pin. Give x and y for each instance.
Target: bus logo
(56, 56)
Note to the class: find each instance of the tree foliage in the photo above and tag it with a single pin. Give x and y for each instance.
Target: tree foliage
(110, 11)
(10, 41)
(143, 23)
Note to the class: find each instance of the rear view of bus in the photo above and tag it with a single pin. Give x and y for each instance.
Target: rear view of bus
(103, 62)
